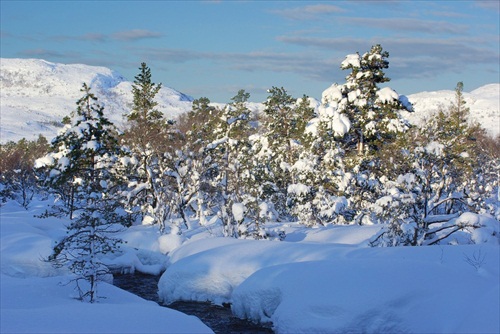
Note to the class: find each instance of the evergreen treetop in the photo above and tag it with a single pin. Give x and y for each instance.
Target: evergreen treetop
(144, 92)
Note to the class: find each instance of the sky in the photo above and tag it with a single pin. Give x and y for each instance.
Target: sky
(215, 48)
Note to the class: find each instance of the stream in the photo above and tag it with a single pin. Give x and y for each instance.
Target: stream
(218, 318)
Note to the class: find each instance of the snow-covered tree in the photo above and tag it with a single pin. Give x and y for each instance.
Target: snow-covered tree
(149, 137)
(85, 157)
(230, 152)
(90, 140)
(353, 123)
(201, 128)
(436, 165)
(284, 123)
(17, 177)
(372, 110)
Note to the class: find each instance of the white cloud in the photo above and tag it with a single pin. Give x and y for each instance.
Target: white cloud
(308, 12)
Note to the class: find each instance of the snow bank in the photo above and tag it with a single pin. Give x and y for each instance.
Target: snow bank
(380, 295)
(34, 301)
(209, 270)
(317, 284)
(26, 241)
(43, 305)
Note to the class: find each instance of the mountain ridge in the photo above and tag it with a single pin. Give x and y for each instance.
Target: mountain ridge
(36, 94)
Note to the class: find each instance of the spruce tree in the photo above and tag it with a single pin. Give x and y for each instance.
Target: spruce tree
(86, 157)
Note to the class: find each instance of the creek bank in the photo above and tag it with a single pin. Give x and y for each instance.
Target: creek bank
(219, 318)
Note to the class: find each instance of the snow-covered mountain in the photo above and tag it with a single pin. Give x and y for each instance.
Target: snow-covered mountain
(484, 104)
(35, 95)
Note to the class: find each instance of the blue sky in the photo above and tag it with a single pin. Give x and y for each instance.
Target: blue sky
(215, 48)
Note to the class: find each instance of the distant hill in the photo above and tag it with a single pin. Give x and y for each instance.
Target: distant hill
(484, 104)
(35, 95)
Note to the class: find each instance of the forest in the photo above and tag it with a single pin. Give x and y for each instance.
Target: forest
(351, 159)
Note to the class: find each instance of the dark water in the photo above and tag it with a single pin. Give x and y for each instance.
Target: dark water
(218, 318)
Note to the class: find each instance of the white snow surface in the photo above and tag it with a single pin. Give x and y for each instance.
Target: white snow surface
(44, 305)
(337, 284)
(327, 280)
(319, 280)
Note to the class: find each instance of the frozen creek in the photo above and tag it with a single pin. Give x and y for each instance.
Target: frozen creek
(218, 318)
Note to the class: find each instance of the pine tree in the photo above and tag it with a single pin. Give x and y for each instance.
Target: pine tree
(355, 122)
(144, 92)
(230, 131)
(372, 111)
(86, 156)
(202, 129)
(149, 138)
(284, 123)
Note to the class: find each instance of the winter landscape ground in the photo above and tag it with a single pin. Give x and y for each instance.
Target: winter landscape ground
(320, 279)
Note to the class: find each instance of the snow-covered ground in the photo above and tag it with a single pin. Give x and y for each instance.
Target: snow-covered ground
(318, 280)
(35, 95)
(36, 299)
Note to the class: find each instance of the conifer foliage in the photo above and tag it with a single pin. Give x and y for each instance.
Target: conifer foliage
(372, 110)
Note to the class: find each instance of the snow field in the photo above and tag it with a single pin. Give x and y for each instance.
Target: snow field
(319, 280)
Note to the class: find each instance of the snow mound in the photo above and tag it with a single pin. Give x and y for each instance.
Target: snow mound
(44, 305)
(369, 296)
(312, 285)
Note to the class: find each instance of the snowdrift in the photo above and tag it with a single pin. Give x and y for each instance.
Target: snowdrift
(318, 280)
(311, 287)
